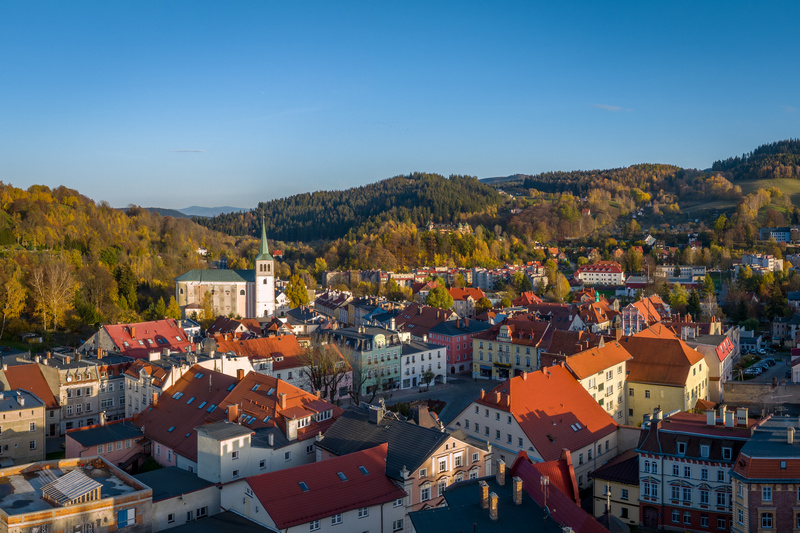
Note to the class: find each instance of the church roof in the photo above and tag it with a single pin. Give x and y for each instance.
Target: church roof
(263, 254)
(217, 276)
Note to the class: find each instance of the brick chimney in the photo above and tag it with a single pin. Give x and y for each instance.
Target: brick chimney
(516, 484)
(484, 494)
(282, 400)
(501, 472)
(233, 413)
(493, 506)
(155, 398)
(497, 397)
(239, 375)
(133, 332)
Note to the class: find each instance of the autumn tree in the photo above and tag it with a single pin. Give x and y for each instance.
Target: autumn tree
(173, 309)
(325, 369)
(53, 286)
(482, 305)
(296, 291)
(439, 297)
(12, 295)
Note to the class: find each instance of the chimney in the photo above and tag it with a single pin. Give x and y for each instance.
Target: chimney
(48, 355)
(524, 376)
(318, 393)
(375, 414)
(516, 485)
(656, 414)
(282, 400)
(66, 360)
(102, 418)
(133, 332)
(711, 417)
(483, 393)
(741, 416)
(239, 375)
(790, 435)
(484, 494)
(271, 439)
(729, 421)
(493, 506)
(155, 398)
(233, 413)
(501, 472)
(20, 399)
(497, 397)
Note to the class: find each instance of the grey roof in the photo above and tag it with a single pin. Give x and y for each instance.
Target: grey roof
(203, 275)
(623, 468)
(464, 511)
(171, 482)
(409, 444)
(224, 430)
(228, 521)
(261, 438)
(10, 400)
(413, 347)
(302, 315)
(769, 440)
(107, 433)
(458, 327)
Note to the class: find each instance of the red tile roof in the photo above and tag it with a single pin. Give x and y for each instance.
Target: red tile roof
(223, 325)
(29, 377)
(465, 293)
(527, 298)
(289, 505)
(562, 475)
(562, 508)
(548, 404)
(601, 266)
(177, 413)
(156, 372)
(283, 347)
(138, 340)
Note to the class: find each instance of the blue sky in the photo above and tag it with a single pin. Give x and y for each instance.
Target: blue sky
(276, 98)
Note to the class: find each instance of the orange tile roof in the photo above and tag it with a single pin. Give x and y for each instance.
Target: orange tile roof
(566, 342)
(561, 474)
(601, 266)
(138, 340)
(465, 293)
(156, 372)
(289, 505)
(29, 377)
(548, 404)
(527, 298)
(284, 347)
(594, 360)
(659, 357)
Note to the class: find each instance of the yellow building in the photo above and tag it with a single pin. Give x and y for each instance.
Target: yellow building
(664, 373)
(509, 348)
(616, 484)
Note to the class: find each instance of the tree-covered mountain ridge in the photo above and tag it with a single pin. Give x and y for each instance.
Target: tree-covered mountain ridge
(416, 198)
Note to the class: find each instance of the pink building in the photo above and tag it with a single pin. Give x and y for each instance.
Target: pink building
(120, 443)
(456, 337)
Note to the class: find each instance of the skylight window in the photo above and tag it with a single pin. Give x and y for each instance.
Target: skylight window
(303, 486)
(266, 419)
(171, 429)
(198, 375)
(177, 337)
(190, 400)
(187, 435)
(342, 476)
(211, 408)
(141, 342)
(231, 386)
(256, 386)
(177, 395)
(363, 470)
(270, 391)
(202, 404)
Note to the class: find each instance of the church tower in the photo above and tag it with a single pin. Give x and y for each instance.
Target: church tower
(265, 278)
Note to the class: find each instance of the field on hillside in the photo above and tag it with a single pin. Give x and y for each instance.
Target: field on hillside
(790, 187)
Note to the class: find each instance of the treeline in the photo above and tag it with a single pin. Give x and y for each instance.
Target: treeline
(66, 261)
(780, 159)
(417, 199)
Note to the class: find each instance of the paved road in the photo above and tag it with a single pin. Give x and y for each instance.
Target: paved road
(778, 371)
(457, 394)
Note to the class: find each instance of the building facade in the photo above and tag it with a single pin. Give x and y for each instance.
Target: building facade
(22, 427)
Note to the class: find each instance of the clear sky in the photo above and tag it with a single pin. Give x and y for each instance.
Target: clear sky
(171, 104)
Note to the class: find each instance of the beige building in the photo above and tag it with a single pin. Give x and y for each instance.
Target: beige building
(602, 372)
(616, 486)
(664, 373)
(21, 427)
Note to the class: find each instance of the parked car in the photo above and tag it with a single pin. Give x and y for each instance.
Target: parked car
(762, 351)
(770, 361)
(753, 371)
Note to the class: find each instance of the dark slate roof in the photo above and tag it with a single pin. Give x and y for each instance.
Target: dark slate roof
(227, 521)
(464, 512)
(409, 444)
(110, 432)
(171, 482)
(302, 315)
(460, 327)
(623, 468)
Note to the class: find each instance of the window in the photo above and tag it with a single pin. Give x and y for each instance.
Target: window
(623, 512)
(624, 494)
(457, 461)
(398, 502)
(287, 456)
(704, 474)
(441, 486)
(676, 470)
(171, 518)
(687, 517)
(703, 497)
(497, 434)
(647, 466)
(740, 516)
(423, 472)
(32, 444)
(704, 449)
(32, 426)
(474, 457)
(675, 493)
(425, 493)
(766, 520)
(363, 512)
(721, 475)
(235, 473)
(126, 517)
(687, 471)
(580, 458)
(100, 449)
(676, 515)
(202, 512)
(726, 453)
(722, 499)
(681, 448)
(235, 454)
(169, 455)
(647, 394)
(442, 465)
(720, 523)
(397, 525)
(766, 494)
(687, 494)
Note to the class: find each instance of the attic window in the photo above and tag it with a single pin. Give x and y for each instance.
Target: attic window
(177, 396)
(202, 404)
(270, 391)
(171, 429)
(256, 386)
(141, 342)
(177, 337)
(303, 486)
(363, 470)
(783, 465)
(342, 476)
(576, 426)
(190, 400)
(231, 386)
(551, 437)
(211, 408)
(125, 344)
(187, 435)
(198, 375)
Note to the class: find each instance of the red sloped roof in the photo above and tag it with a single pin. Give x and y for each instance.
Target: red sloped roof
(562, 508)
(589, 362)
(548, 404)
(463, 294)
(178, 413)
(279, 345)
(289, 505)
(527, 298)
(562, 475)
(30, 378)
(145, 337)
(601, 266)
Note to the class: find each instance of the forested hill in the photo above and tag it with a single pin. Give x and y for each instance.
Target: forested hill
(325, 215)
(776, 160)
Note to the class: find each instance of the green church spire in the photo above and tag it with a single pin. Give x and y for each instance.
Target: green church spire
(264, 254)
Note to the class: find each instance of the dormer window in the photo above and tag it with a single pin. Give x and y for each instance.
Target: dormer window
(704, 450)
(681, 448)
(303, 422)
(727, 453)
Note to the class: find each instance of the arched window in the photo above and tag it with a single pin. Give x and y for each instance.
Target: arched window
(241, 292)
